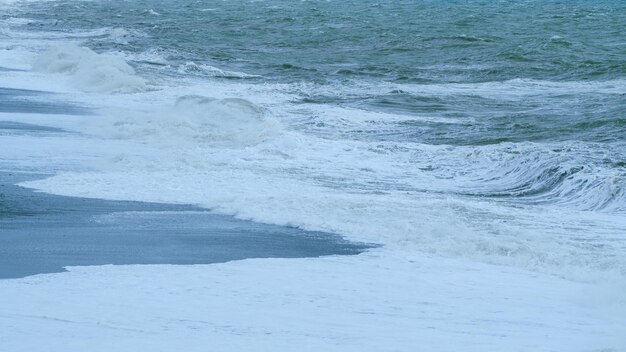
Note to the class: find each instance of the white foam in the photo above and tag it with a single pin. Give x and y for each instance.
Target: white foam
(514, 89)
(89, 71)
(192, 120)
(207, 70)
(157, 56)
(348, 303)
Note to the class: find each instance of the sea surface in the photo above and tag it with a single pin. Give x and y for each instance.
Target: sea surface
(488, 130)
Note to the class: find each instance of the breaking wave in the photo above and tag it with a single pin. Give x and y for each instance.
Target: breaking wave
(89, 71)
(191, 67)
(229, 122)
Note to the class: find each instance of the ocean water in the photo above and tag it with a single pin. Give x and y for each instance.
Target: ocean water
(488, 130)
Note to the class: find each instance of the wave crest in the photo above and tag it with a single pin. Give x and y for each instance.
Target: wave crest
(191, 67)
(230, 122)
(89, 71)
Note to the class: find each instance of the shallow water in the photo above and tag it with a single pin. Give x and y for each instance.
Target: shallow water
(42, 233)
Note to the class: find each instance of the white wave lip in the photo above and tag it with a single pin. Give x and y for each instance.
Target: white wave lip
(90, 71)
(211, 71)
(193, 119)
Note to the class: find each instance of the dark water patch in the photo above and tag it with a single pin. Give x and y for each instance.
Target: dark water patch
(26, 127)
(467, 118)
(42, 233)
(613, 123)
(459, 118)
(6, 69)
(13, 92)
(39, 107)
(400, 102)
(26, 101)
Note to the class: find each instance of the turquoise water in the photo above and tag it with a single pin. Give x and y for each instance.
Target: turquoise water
(42, 233)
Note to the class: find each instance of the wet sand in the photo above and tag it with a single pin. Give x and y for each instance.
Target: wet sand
(33, 101)
(43, 233)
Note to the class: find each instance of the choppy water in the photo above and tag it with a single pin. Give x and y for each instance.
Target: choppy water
(485, 129)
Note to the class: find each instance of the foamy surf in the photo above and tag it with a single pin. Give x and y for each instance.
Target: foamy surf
(89, 71)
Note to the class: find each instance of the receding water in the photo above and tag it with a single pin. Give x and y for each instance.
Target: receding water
(41, 233)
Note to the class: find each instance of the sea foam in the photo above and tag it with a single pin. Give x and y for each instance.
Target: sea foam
(90, 71)
(191, 120)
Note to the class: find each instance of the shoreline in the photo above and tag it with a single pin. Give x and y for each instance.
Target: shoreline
(44, 233)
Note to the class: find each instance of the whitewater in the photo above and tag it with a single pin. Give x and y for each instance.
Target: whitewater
(494, 189)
